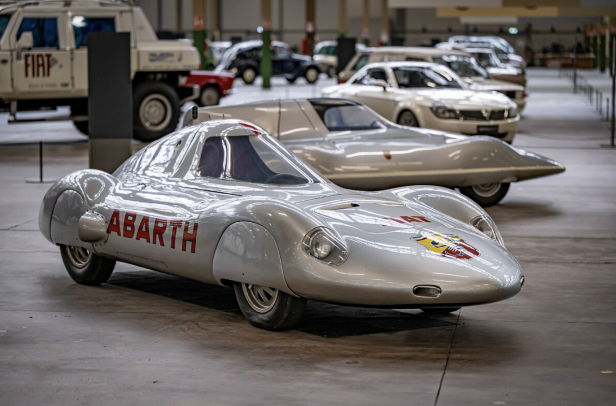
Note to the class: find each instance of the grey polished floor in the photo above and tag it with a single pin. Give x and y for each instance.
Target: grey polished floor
(149, 339)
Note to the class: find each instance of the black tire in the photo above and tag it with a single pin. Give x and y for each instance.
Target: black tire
(408, 119)
(291, 80)
(249, 75)
(210, 96)
(155, 100)
(486, 195)
(86, 267)
(285, 312)
(442, 310)
(311, 75)
(82, 127)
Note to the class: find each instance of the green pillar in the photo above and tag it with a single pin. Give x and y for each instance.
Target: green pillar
(595, 51)
(199, 28)
(266, 59)
(602, 53)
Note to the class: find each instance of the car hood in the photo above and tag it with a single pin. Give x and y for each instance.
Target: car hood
(462, 99)
(504, 71)
(486, 85)
(399, 242)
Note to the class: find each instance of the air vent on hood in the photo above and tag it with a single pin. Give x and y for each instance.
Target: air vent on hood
(427, 291)
(340, 206)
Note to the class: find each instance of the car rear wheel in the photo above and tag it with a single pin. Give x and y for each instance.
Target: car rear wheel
(249, 75)
(311, 75)
(84, 266)
(439, 310)
(210, 96)
(486, 195)
(268, 308)
(156, 110)
(408, 119)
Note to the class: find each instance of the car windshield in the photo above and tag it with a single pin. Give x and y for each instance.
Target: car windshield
(431, 77)
(464, 66)
(348, 117)
(4, 21)
(326, 50)
(361, 62)
(487, 59)
(253, 158)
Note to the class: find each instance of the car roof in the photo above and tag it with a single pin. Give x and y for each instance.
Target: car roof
(413, 50)
(53, 5)
(396, 64)
(479, 50)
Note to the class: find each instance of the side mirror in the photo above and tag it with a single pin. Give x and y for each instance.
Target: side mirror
(379, 83)
(26, 41)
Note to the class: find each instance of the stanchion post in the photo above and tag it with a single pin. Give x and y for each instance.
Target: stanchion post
(613, 88)
(40, 178)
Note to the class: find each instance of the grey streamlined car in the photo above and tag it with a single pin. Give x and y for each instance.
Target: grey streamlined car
(225, 203)
(356, 148)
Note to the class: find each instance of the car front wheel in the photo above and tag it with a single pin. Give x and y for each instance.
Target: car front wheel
(486, 195)
(268, 308)
(249, 75)
(408, 119)
(210, 96)
(84, 266)
(312, 75)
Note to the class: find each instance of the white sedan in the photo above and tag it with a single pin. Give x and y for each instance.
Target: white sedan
(428, 95)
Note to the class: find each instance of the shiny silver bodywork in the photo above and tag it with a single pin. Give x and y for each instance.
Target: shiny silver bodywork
(252, 232)
(393, 156)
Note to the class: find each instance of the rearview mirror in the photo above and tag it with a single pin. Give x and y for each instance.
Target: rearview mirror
(26, 41)
(379, 83)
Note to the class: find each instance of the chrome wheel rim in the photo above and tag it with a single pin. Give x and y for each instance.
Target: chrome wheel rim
(79, 256)
(248, 75)
(486, 190)
(311, 75)
(260, 298)
(155, 112)
(209, 97)
(406, 119)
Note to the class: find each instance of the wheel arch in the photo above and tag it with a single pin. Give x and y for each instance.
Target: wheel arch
(248, 253)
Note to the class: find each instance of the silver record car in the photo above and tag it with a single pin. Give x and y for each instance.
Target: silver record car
(225, 203)
(356, 148)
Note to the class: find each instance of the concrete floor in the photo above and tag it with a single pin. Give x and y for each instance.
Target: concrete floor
(146, 338)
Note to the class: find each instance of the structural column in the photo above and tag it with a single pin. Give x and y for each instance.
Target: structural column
(266, 59)
(178, 17)
(342, 18)
(310, 27)
(602, 49)
(384, 40)
(199, 14)
(215, 30)
(365, 27)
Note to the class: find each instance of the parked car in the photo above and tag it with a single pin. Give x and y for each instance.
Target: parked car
(503, 50)
(460, 62)
(44, 57)
(354, 147)
(428, 95)
(215, 52)
(212, 85)
(326, 55)
(244, 61)
(495, 68)
(225, 203)
(466, 66)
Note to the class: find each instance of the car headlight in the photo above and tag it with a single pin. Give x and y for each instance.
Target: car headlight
(486, 225)
(512, 112)
(325, 246)
(442, 111)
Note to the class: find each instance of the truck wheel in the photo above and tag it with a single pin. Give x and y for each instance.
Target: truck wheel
(82, 127)
(249, 75)
(84, 266)
(312, 75)
(210, 96)
(268, 308)
(486, 195)
(156, 109)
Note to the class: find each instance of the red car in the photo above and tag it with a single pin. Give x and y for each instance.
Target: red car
(213, 85)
